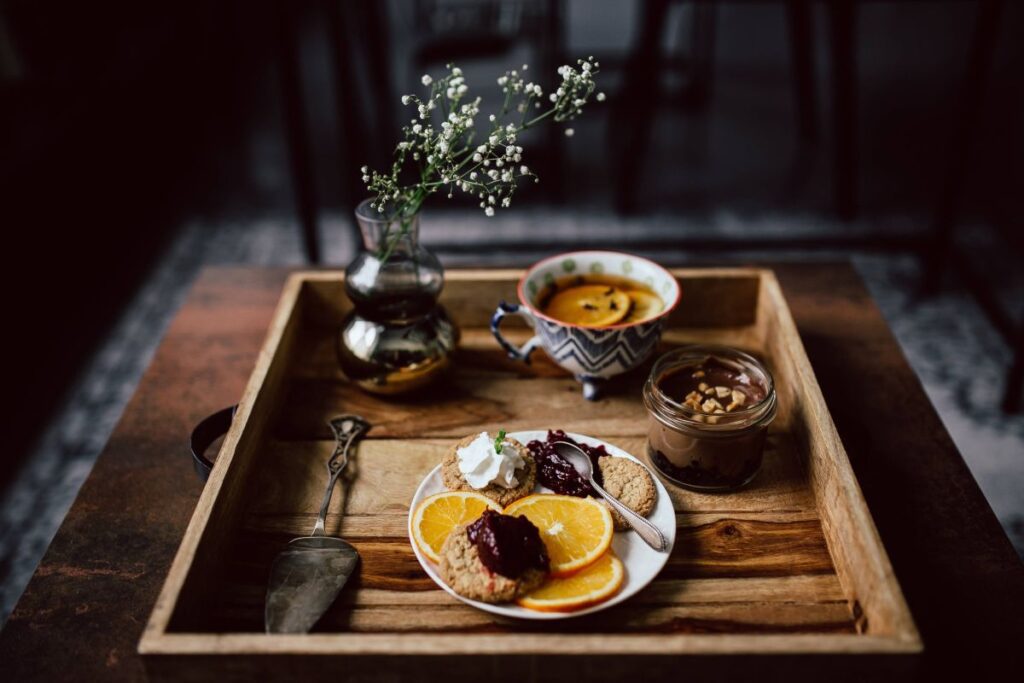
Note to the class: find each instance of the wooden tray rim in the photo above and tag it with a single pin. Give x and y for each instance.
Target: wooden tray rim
(156, 641)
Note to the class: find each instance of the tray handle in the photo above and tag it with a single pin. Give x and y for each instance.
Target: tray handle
(209, 429)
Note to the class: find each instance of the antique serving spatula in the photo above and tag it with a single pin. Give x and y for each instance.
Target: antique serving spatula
(307, 576)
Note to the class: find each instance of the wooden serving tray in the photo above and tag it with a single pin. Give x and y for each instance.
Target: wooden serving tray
(791, 564)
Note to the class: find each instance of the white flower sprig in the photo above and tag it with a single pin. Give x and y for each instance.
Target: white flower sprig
(439, 145)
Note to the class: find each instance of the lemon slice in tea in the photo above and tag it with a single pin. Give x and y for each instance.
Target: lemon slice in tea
(589, 305)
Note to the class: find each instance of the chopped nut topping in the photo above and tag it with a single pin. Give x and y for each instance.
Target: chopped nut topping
(698, 374)
(710, 405)
(732, 406)
(712, 419)
(722, 392)
(703, 386)
(738, 397)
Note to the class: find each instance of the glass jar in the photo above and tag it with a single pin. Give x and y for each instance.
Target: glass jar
(397, 338)
(708, 449)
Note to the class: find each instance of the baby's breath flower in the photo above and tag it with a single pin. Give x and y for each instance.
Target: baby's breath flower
(486, 171)
(599, 97)
(569, 132)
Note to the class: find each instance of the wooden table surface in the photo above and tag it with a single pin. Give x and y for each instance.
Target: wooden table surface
(83, 612)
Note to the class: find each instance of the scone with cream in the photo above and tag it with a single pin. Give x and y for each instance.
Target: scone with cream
(496, 466)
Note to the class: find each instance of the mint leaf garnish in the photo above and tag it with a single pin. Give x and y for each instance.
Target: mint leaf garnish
(499, 441)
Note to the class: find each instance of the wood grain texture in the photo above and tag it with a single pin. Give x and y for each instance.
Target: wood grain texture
(217, 582)
(87, 604)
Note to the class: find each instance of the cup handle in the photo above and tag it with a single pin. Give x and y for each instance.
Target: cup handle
(515, 353)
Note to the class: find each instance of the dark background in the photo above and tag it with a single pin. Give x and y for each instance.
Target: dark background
(119, 122)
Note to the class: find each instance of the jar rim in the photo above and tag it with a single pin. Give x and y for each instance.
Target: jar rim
(682, 415)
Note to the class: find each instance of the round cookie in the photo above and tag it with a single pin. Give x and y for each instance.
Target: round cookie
(631, 484)
(527, 475)
(462, 569)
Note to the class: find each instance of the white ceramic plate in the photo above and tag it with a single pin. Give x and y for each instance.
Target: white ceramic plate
(642, 563)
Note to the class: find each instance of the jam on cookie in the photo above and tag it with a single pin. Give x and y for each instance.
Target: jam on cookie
(496, 558)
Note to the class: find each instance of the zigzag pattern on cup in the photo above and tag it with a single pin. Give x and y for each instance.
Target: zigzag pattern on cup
(595, 352)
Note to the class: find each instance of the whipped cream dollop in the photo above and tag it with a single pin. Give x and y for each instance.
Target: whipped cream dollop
(481, 465)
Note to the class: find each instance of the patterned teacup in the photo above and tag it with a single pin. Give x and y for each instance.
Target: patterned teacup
(592, 354)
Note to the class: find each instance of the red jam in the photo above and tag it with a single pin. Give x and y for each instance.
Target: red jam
(508, 545)
(557, 473)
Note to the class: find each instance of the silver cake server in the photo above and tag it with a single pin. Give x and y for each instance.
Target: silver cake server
(307, 576)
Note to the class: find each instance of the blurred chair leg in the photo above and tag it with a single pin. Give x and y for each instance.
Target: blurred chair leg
(378, 62)
(968, 105)
(801, 43)
(551, 58)
(352, 153)
(842, 18)
(632, 118)
(703, 55)
(295, 125)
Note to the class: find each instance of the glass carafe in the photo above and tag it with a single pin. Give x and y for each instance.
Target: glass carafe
(397, 338)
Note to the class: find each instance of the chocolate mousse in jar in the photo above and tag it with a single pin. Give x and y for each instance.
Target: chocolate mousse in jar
(710, 407)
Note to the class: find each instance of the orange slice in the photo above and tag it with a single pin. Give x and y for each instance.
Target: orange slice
(437, 515)
(589, 305)
(587, 587)
(576, 531)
